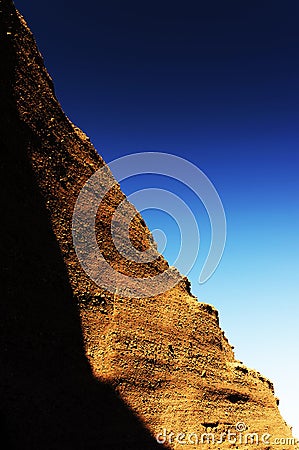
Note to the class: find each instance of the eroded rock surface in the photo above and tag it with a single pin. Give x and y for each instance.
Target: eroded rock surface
(165, 357)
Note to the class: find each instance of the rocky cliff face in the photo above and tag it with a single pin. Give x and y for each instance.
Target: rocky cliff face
(82, 367)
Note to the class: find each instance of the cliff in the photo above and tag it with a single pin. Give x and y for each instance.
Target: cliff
(83, 367)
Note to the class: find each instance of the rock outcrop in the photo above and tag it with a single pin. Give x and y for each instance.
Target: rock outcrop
(82, 367)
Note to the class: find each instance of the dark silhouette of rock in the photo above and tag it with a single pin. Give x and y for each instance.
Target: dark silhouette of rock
(49, 397)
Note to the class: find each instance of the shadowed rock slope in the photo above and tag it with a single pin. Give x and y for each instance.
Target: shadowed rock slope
(81, 367)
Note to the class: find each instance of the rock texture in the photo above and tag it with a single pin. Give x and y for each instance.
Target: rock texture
(81, 367)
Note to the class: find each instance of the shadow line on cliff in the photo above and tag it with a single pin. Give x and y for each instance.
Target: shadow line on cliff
(49, 398)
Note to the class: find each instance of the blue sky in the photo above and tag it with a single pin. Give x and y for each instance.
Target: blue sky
(215, 83)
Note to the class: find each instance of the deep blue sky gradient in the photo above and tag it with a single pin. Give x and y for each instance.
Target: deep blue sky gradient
(216, 83)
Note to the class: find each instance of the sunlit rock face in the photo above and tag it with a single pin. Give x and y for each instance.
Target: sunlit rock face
(162, 360)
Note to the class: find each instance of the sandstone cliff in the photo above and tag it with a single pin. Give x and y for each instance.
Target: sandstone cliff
(82, 367)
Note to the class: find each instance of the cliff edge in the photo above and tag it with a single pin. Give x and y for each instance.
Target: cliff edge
(82, 367)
